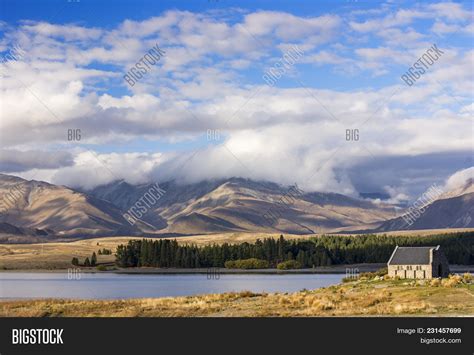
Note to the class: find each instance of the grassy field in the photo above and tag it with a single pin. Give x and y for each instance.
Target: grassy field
(357, 298)
(59, 255)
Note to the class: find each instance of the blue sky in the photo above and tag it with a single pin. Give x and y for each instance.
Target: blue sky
(347, 59)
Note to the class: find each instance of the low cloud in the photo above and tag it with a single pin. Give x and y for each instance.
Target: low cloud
(19, 161)
(460, 179)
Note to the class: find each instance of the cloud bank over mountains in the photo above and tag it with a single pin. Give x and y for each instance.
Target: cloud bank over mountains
(210, 79)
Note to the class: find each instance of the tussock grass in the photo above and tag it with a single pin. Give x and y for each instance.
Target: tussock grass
(359, 298)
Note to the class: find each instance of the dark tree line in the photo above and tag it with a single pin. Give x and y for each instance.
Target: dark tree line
(320, 251)
(87, 262)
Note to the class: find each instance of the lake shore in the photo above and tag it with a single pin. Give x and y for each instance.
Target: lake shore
(366, 298)
(334, 269)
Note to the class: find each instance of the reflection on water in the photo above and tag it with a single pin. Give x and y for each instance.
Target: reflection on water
(118, 286)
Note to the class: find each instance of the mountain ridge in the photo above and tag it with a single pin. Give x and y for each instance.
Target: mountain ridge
(224, 205)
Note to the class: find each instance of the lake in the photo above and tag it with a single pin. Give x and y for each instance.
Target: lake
(17, 285)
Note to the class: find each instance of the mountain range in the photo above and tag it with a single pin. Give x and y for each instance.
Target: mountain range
(35, 210)
(452, 209)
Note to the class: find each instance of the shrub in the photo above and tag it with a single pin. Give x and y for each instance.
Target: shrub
(421, 282)
(467, 277)
(350, 279)
(289, 264)
(246, 294)
(251, 263)
(101, 268)
(379, 273)
(452, 281)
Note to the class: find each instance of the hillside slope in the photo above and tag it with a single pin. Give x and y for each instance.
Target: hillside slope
(57, 209)
(34, 209)
(453, 209)
(236, 205)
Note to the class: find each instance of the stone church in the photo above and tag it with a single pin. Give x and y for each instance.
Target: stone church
(418, 263)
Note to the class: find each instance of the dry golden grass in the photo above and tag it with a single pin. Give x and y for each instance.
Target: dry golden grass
(59, 255)
(425, 232)
(222, 238)
(53, 255)
(359, 298)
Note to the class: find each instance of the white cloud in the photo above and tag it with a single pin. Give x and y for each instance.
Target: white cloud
(67, 32)
(459, 179)
(450, 10)
(442, 28)
(210, 78)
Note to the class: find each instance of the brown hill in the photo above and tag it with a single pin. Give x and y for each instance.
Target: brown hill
(57, 209)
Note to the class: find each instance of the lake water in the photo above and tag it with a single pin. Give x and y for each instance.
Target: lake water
(16, 285)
